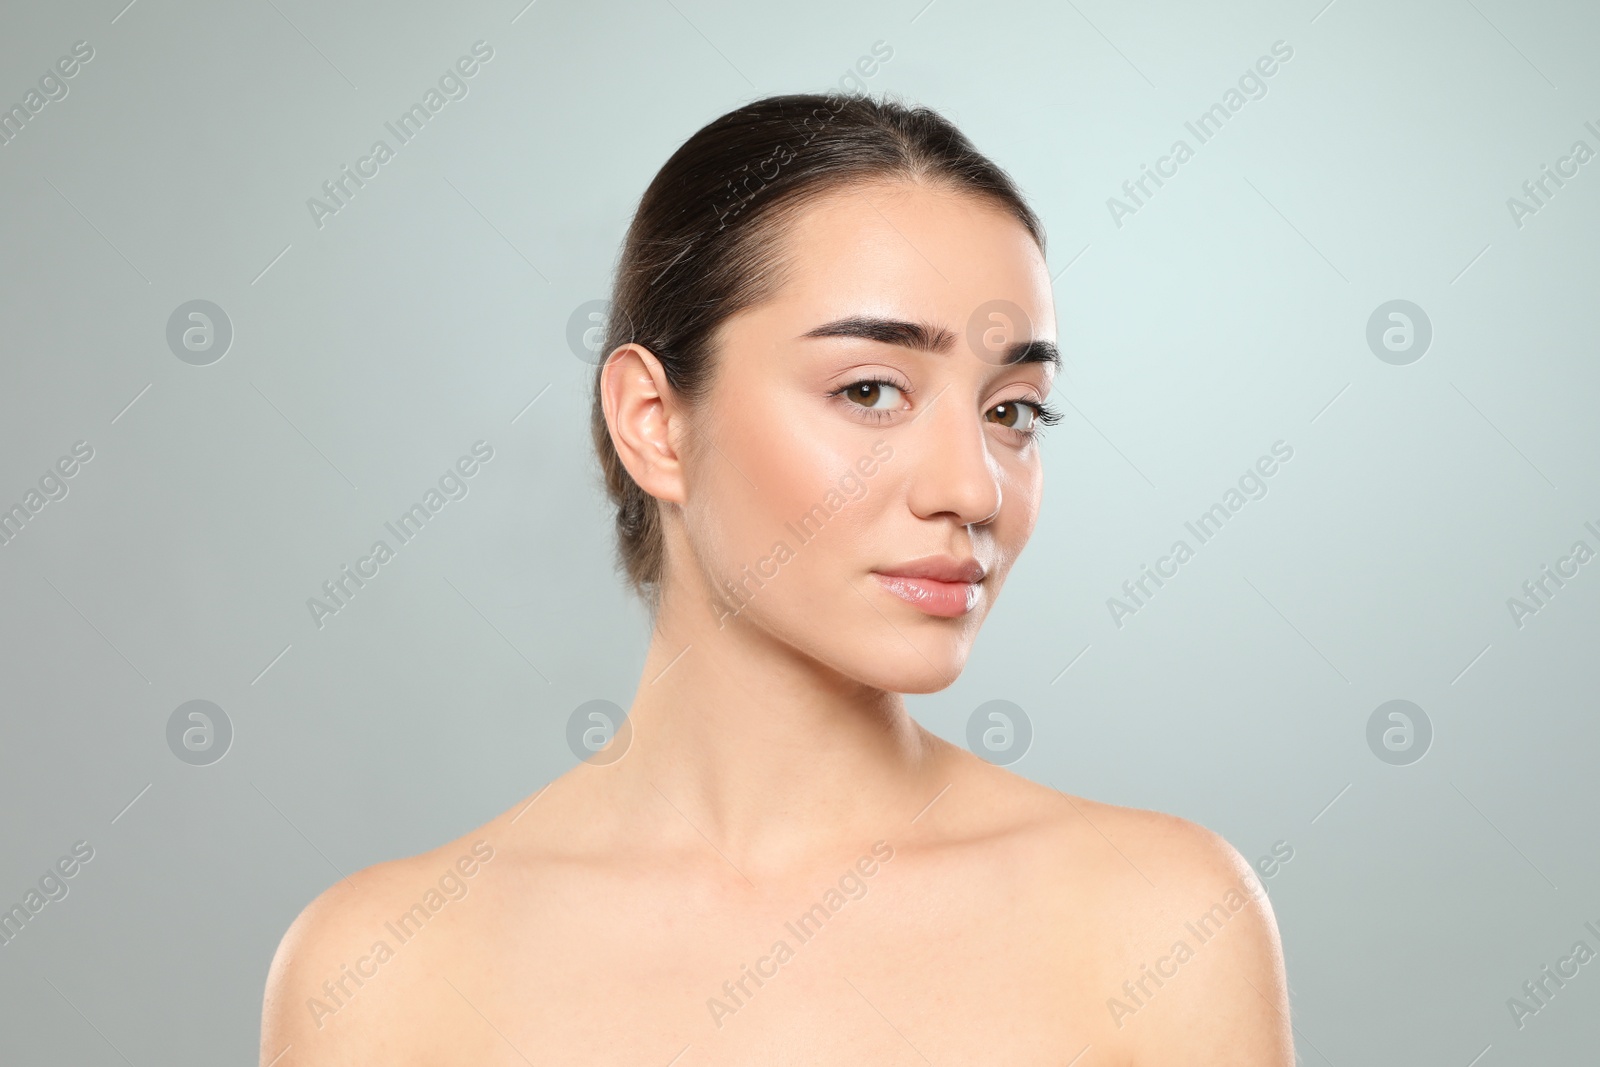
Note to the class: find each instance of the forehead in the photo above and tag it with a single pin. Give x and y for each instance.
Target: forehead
(913, 251)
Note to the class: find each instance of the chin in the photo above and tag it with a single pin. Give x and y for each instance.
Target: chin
(917, 659)
(925, 681)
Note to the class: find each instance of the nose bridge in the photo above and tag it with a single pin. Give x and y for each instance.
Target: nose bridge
(954, 473)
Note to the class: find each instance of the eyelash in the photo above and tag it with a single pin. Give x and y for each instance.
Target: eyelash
(1043, 414)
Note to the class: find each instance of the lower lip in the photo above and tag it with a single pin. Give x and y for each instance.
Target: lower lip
(945, 599)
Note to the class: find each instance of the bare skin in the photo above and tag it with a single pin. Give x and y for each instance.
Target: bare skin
(783, 867)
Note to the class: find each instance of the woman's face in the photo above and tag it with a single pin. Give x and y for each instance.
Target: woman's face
(837, 450)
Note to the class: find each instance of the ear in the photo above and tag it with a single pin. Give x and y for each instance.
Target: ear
(641, 413)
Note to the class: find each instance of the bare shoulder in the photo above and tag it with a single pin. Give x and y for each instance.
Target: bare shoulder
(356, 978)
(1180, 952)
(1167, 849)
(1100, 838)
(1196, 961)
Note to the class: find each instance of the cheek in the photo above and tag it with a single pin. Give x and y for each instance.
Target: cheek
(798, 468)
(779, 480)
(1026, 488)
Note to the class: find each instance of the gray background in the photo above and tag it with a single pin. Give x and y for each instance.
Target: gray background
(368, 354)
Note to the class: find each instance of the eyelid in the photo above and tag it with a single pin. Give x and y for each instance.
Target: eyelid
(1031, 395)
(880, 373)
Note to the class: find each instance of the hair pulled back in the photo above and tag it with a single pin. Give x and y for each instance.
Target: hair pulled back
(706, 243)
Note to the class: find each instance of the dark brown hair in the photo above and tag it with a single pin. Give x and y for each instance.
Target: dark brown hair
(706, 243)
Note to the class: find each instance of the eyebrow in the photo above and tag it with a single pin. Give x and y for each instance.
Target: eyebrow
(929, 338)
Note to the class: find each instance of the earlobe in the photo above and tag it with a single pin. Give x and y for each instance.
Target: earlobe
(639, 408)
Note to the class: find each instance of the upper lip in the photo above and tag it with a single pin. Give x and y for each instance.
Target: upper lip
(939, 568)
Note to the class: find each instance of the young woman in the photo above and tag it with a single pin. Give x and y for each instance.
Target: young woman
(829, 353)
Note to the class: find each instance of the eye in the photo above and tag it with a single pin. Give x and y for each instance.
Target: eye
(1026, 417)
(874, 394)
(1016, 414)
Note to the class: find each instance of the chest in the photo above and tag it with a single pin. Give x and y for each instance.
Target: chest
(898, 974)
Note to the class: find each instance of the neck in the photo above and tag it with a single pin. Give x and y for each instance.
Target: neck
(770, 755)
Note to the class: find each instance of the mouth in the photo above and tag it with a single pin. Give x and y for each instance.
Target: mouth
(937, 585)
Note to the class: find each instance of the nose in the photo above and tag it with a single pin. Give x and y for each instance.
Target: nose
(955, 475)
